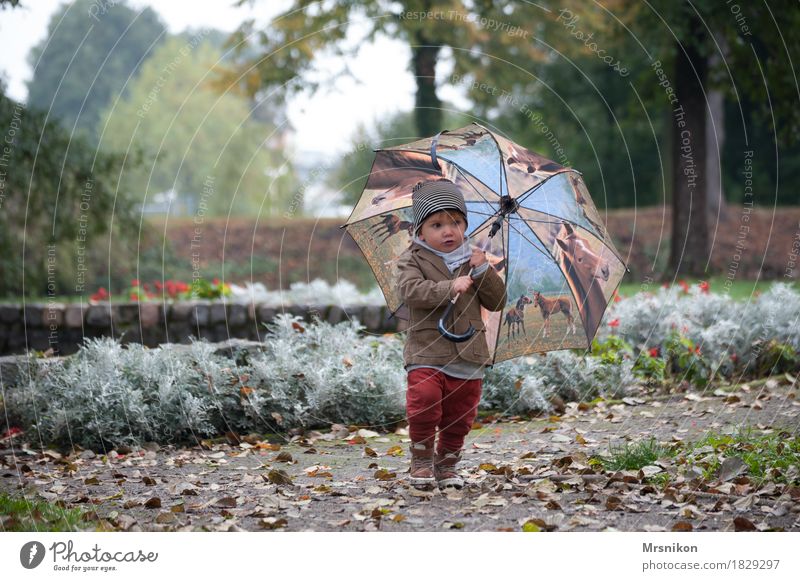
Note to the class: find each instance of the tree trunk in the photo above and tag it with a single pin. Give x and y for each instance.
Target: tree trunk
(715, 135)
(428, 109)
(690, 236)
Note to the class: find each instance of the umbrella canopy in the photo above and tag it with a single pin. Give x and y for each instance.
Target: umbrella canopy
(549, 245)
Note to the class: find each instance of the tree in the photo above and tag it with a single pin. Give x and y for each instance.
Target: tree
(706, 46)
(287, 49)
(58, 196)
(90, 52)
(206, 147)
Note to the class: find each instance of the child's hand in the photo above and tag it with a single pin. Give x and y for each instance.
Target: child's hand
(461, 284)
(478, 257)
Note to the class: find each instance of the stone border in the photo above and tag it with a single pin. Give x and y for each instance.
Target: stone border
(62, 327)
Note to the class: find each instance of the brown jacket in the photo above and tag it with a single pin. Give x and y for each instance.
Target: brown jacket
(425, 287)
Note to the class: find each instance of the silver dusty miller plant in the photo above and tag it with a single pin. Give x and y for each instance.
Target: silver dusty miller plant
(311, 375)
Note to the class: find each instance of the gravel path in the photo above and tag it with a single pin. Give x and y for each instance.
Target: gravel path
(535, 474)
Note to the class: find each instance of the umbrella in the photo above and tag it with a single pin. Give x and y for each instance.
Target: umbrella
(534, 219)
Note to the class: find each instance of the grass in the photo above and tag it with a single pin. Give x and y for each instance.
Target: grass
(21, 514)
(740, 290)
(767, 456)
(634, 456)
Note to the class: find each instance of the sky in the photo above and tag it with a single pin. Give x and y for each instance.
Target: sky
(323, 123)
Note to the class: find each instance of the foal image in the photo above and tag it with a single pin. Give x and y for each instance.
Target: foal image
(515, 317)
(551, 306)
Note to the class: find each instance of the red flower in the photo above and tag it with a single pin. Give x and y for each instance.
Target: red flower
(617, 298)
(704, 286)
(100, 295)
(614, 323)
(135, 282)
(734, 357)
(215, 281)
(684, 286)
(10, 433)
(653, 351)
(134, 296)
(697, 349)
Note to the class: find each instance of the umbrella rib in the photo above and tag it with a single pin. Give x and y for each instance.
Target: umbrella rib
(502, 163)
(530, 242)
(464, 174)
(560, 219)
(541, 183)
(503, 243)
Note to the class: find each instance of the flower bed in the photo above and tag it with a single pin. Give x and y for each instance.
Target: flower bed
(310, 375)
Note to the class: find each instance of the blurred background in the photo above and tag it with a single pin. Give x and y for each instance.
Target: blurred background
(225, 142)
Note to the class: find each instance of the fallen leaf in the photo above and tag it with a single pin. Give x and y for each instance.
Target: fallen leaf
(383, 474)
(531, 527)
(731, 468)
(682, 527)
(271, 522)
(394, 451)
(279, 477)
(283, 457)
(166, 518)
(741, 524)
(154, 502)
(227, 502)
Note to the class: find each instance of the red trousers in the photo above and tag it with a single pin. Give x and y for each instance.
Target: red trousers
(433, 400)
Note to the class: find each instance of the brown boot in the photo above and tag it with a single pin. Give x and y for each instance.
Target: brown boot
(445, 468)
(421, 464)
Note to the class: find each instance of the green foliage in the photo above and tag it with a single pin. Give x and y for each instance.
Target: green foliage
(612, 350)
(87, 57)
(650, 367)
(686, 358)
(21, 514)
(201, 288)
(775, 358)
(772, 456)
(634, 456)
(58, 196)
(207, 147)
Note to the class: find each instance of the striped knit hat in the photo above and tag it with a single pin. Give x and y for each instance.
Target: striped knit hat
(432, 197)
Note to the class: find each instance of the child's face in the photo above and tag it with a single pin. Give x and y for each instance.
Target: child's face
(444, 230)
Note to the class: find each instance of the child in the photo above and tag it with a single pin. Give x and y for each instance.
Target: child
(444, 377)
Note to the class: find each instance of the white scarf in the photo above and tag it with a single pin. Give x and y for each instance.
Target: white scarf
(454, 258)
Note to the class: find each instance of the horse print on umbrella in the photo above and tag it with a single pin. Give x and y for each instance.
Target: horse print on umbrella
(554, 305)
(395, 173)
(515, 317)
(389, 225)
(586, 271)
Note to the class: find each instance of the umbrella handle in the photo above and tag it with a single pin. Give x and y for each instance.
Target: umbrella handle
(455, 338)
